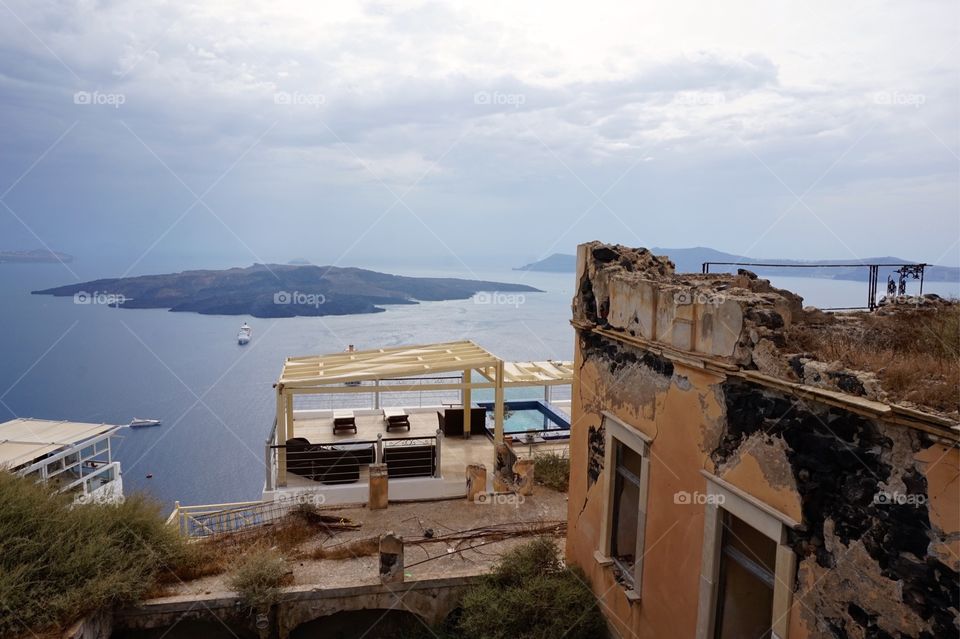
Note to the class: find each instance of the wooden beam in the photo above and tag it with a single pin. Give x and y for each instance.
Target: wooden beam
(498, 406)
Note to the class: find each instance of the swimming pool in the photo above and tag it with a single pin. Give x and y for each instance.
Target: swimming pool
(528, 415)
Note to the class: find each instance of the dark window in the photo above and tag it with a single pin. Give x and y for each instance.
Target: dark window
(745, 593)
(626, 509)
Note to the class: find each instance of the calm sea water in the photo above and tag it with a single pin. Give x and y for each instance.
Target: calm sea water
(60, 360)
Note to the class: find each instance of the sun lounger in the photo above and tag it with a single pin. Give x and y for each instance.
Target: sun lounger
(344, 420)
(396, 418)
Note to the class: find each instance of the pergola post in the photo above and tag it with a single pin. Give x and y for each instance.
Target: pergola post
(278, 424)
(498, 405)
(467, 401)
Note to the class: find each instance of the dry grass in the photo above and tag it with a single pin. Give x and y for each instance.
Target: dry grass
(914, 352)
(219, 554)
(348, 550)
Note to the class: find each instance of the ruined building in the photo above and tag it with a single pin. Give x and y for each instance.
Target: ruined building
(729, 479)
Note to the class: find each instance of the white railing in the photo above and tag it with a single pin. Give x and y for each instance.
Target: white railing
(212, 519)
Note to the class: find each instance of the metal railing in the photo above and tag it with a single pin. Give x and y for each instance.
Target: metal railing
(896, 287)
(211, 519)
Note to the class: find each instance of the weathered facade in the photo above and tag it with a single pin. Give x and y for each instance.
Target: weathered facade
(721, 488)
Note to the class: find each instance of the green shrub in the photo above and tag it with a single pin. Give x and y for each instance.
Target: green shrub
(59, 561)
(531, 595)
(552, 470)
(258, 579)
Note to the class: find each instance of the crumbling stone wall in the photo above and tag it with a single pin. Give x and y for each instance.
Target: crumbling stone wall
(865, 565)
(741, 318)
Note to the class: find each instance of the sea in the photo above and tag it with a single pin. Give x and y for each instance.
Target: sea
(94, 363)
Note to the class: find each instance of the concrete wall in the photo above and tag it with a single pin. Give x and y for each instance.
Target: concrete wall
(870, 508)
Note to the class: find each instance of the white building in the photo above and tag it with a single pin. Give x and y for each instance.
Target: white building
(72, 457)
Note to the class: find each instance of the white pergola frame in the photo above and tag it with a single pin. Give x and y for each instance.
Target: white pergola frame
(331, 373)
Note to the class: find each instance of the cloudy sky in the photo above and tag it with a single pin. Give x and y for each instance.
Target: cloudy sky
(481, 133)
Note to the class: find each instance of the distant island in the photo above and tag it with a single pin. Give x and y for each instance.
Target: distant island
(36, 256)
(690, 260)
(278, 290)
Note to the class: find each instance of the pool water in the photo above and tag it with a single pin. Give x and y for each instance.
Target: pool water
(520, 421)
(523, 416)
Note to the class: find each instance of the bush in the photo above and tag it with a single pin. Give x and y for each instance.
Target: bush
(552, 470)
(59, 561)
(531, 595)
(258, 579)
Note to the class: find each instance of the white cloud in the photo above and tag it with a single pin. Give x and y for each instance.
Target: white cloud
(573, 92)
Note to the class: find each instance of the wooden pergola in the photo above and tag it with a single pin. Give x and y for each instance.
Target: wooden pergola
(344, 372)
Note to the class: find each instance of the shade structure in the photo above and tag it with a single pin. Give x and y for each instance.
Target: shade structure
(402, 366)
(25, 440)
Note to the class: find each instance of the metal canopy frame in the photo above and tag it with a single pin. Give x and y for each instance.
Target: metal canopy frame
(343, 373)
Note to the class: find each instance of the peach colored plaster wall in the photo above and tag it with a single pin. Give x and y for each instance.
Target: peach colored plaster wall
(677, 421)
(685, 421)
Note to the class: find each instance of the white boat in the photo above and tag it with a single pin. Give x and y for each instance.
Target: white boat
(138, 422)
(245, 334)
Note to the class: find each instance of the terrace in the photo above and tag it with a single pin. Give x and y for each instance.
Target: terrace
(403, 407)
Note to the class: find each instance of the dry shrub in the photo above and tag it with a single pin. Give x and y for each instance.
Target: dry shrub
(259, 577)
(552, 470)
(59, 562)
(531, 595)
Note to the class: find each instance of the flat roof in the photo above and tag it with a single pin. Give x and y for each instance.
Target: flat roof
(385, 363)
(24, 440)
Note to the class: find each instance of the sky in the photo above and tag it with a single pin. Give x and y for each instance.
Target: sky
(480, 134)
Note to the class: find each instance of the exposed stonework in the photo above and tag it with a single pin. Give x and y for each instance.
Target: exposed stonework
(860, 488)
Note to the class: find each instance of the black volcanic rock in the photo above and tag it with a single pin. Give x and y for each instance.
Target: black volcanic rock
(275, 290)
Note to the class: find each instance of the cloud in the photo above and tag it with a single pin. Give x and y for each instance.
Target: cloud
(499, 111)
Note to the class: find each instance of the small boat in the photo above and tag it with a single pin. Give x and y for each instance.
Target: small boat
(245, 334)
(137, 422)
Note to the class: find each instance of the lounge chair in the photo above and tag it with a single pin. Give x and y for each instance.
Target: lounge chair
(396, 418)
(344, 420)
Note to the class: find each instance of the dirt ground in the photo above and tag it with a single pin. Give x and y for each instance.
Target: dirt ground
(412, 521)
